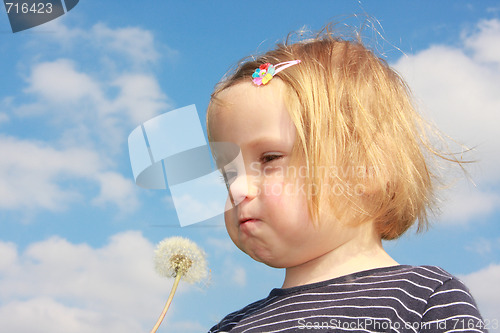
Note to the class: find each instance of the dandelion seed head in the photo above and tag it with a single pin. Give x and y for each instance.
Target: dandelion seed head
(181, 255)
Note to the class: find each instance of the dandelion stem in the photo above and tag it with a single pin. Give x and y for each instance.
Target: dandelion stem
(169, 300)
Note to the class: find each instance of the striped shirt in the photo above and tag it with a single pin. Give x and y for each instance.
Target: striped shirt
(392, 299)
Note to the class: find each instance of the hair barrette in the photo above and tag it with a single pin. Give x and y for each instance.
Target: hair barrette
(267, 71)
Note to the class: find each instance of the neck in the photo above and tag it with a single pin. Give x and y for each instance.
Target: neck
(359, 254)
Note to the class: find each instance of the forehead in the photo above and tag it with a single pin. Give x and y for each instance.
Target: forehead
(246, 114)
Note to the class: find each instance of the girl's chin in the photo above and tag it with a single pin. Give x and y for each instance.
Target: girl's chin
(263, 256)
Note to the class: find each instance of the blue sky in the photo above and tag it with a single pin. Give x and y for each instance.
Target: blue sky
(77, 235)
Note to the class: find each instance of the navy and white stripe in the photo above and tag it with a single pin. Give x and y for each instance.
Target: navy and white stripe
(391, 299)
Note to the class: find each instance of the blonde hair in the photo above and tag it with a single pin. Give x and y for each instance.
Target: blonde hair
(353, 114)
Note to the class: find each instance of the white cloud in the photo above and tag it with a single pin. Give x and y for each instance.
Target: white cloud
(239, 276)
(84, 105)
(56, 286)
(485, 42)
(483, 246)
(140, 95)
(220, 245)
(59, 81)
(135, 45)
(460, 95)
(65, 36)
(117, 190)
(485, 288)
(28, 173)
(458, 89)
(96, 104)
(185, 327)
(133, 42)
(4, 117)
(89, 112)
(8, 257)
(47, 315)
(32, 176)
(464, 203)
(190, 209)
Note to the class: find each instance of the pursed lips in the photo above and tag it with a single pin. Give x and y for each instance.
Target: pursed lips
(246, 219)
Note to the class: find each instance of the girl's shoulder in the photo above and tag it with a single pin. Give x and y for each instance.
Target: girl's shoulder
(423, 279)
(420, 294)
(422, 274)
(235, 317)
(405, 276)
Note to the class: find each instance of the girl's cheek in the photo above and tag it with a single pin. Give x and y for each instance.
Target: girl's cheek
(280, 190)
(273, 189)
(230, 218)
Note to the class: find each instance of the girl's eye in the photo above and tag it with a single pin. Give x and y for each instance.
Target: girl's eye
(266, 158)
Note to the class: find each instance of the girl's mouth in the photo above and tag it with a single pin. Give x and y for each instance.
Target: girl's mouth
(247, 220)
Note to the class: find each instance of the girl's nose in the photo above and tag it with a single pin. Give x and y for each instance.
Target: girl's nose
(243, 187)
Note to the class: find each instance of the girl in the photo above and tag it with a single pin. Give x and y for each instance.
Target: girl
(336, 159)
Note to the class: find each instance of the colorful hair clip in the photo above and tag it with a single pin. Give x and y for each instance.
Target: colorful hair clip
(267, 71)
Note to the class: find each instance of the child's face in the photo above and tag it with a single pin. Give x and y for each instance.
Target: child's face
(271, 223)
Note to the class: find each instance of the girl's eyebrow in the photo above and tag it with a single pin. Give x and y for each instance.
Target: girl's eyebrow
(265, 141)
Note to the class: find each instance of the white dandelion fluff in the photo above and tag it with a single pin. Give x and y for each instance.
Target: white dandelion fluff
(180, 255)
(180, 258)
